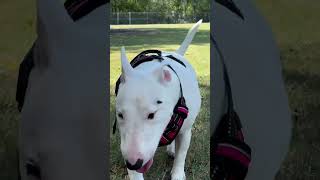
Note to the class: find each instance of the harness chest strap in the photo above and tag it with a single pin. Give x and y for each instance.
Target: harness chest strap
(180, 112)
(172, 130)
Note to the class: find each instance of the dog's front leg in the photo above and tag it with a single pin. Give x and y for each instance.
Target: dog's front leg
(134, 175)
(171, 149)
(181, 149)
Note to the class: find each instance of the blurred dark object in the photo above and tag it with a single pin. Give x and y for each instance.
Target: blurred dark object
(23, 78)
(80, 8)
(229, 4)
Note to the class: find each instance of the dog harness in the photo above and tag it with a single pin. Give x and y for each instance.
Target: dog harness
(230, 155)
(180, 111)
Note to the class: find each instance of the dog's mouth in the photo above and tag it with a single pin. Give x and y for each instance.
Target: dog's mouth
(146, 167)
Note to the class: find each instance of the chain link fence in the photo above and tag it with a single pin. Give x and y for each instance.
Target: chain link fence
(155, 18)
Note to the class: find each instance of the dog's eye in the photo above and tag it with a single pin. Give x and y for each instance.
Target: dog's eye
(120, 115)
(151, 116)
(159, 102)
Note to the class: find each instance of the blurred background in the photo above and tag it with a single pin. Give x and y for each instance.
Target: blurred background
(17, 33)
(159, 12)
(297, 33)
(296, 27)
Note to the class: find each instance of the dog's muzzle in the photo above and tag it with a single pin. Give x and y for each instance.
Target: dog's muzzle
(136, 166)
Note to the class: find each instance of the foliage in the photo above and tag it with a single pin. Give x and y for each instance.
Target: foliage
(182, 9)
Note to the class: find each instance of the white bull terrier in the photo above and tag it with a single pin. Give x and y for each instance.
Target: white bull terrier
(144, 105)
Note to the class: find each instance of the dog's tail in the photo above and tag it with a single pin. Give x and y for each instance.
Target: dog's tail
(187, 41)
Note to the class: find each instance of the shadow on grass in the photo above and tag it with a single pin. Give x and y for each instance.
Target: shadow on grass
(135, 38)
(8, 135)
(311, 81)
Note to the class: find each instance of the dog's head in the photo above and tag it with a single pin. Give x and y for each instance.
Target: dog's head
(144, 106)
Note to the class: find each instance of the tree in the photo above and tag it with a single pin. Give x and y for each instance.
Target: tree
(188, 10)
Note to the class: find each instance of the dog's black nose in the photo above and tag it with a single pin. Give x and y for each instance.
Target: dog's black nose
(136, 166)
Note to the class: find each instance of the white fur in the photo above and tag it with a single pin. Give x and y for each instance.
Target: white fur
(63, 120)
(137, 97)
(187, 41)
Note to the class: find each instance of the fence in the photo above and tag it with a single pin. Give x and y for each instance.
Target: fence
(155, 18)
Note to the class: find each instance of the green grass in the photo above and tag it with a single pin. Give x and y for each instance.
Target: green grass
(166, 38)
(17, 27)
(297, 31)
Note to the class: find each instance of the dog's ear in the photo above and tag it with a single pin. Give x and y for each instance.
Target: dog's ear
(127, 69)
(163, 74)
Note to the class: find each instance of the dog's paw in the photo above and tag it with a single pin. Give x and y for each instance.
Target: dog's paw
(171, 150)
(133, 175)
(178, 174)
(135, 178)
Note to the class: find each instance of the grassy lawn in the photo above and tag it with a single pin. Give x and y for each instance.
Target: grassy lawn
(295, 25)
(17, 27)
(137, 38)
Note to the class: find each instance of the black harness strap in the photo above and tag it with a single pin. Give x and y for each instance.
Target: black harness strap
(25, 68)
(177, 60)
(80, 8)
(142, 58)
(229, 4)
